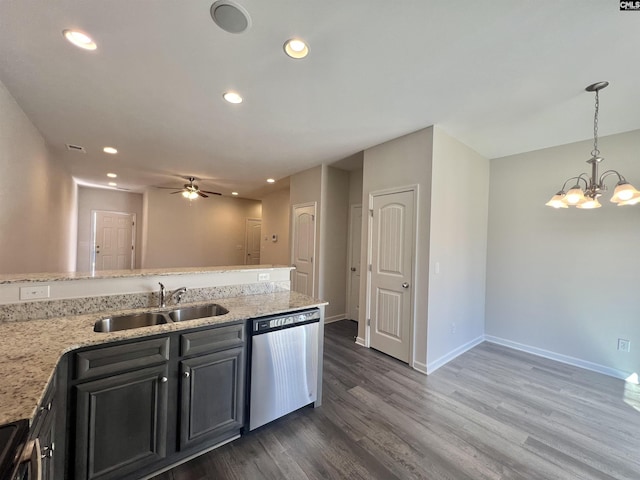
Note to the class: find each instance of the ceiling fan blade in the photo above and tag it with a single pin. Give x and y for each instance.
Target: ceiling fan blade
(177, 191)
(199, 192)
(168, 188)
(212, 193)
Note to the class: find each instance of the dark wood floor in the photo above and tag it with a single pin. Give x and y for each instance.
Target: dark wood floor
(492, 413)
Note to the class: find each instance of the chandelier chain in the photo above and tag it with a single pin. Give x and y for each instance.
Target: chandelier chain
(595, 152)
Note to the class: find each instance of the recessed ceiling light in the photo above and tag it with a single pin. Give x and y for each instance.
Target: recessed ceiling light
(234, 193)
(80, 39)
(110, 150)
(270, 180)
(113, 184)
(112, 175)
(232, 97)
(296, 48)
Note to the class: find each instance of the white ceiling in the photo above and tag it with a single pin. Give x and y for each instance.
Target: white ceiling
(502, 76)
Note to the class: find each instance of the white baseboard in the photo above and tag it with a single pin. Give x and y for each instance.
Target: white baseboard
(360, 341)
(439, 362)
(335, 318)
(559, 357)
(420, 367)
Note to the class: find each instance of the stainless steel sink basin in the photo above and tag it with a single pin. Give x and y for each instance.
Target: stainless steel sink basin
(200, 311)
(125, 322)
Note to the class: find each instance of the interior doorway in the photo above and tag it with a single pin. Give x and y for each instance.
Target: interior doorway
(390, 281)
(303, 248)
(113, 237)
(353, 274)
(253, 234)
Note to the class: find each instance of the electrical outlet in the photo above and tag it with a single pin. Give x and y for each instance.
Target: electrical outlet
(34, 292)
(624, 345)
(263, 277)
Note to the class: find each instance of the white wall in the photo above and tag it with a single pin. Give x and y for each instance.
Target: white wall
(36, 198)
(398, 163)
(566, 280)
(458, 245)
(333, 242)
(204, 232)
(108, 200)
(275, 220)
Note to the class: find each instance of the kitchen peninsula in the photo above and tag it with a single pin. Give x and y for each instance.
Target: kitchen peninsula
(50, 345)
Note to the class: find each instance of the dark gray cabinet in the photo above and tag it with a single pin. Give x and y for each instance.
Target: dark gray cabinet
(140, 406)
(121, 423)
(212, 397)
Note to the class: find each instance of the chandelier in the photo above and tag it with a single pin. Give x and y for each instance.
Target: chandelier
(623, 194)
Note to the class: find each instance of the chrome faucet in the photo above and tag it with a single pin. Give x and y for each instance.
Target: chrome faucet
(177, 293)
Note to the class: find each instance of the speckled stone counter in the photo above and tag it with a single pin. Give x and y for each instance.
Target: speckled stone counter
(30, 350)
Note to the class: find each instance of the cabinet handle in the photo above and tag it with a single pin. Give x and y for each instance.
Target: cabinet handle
(46, 407)
(186, 374)
(47, 452)
(163, 379)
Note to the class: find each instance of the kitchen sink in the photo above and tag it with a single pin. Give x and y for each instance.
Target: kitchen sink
(147, 319)
(199, 311)
(125, 322)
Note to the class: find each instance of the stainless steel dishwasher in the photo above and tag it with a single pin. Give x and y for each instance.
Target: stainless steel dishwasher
(284, 365)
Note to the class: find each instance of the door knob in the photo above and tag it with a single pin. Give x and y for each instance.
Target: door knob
(353, 269)
(186, 374)
(163, 379)
(405, 285)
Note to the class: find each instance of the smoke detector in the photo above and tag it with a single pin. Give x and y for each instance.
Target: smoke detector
(230, 17)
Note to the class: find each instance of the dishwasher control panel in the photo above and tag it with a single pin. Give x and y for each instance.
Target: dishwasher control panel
(281, 321)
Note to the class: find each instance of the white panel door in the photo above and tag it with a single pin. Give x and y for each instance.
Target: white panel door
(392, 257)
(303, 248)
(355, 239)
(252, 241)
(113, 240)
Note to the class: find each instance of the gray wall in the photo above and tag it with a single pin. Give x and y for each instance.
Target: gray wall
(565, 280)
(107, 200)
(275, 220)
(458, 244)
(205, 232)
(398, 163)
(37, 199)
(333, 241)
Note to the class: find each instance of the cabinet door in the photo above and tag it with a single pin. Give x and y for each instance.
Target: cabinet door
(212, 402)
(121, 423)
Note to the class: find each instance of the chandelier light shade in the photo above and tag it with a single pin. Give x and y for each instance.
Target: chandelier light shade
(587, 197)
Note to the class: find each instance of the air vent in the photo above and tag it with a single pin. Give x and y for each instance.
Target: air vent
(75, 148)
(230, 17)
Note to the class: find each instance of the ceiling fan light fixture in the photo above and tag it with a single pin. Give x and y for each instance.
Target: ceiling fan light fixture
(79, 39)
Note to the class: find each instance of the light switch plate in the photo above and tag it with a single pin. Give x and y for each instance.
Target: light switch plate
(34, 292)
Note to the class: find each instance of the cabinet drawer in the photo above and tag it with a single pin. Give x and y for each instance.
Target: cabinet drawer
(212, 340)
(110, 360)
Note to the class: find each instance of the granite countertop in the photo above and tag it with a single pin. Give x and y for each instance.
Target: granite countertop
(30, 350)
(54, 277)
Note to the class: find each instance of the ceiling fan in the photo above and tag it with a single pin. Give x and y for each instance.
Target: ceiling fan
(191, 190)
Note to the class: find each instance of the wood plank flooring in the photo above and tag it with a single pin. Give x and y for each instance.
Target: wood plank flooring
(492, 413)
